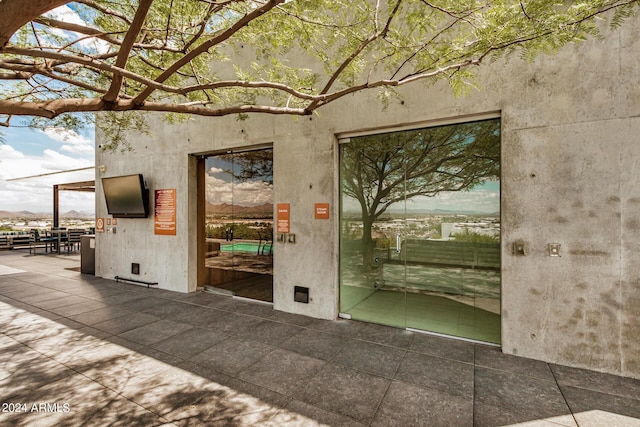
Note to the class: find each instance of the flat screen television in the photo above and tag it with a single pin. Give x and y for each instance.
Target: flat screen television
(126, 196)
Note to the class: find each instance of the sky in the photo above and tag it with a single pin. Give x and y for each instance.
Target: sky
(29, 152)
(220, 188)
(482, 199)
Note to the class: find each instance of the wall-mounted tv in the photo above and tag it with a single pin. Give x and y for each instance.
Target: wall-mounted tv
(126, 196)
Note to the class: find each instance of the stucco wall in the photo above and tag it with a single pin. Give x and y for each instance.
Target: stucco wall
(569, 154)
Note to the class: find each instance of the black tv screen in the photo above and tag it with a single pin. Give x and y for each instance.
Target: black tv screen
(126, 196)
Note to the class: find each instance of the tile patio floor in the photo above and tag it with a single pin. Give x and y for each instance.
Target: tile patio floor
(80, 350)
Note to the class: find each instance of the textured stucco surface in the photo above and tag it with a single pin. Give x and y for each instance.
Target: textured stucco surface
(570, 174)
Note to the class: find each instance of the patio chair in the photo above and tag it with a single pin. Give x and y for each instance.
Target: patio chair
(73, 239)
(36, 240)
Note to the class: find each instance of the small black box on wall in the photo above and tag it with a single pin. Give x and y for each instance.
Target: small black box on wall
(301, 294)
(135, 268)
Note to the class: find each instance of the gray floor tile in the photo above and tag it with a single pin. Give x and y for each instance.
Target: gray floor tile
(265, 395)
(407, 405)
(223, 303)
(204, 372)
(23, 306)
(369, 357)
(232, 355)
(142, 303)
(385, 335)
(115, 411)
(445, 348)
(96, 293)
(190, 342)
(197, 298)
(340, 327)
(125, 323)
(60, 302)
(88, 330)
(582, 400)
(225, 408)
(301, 414)
(596, 381)
(70, 323)
(283, 371)
(485, 415)
(492, 357)
(525, 398)
(44, 296)
(349, 392)
(254, 309)
(169, 309)
(602, 418)
(154, 332)
(201, 317)
(168, 393)
(100, 315)
(118, 297)
(316, 344)
(20, 378)
(115, 339)
(83, 307)
(291, 318)
(231, 323)
(268, 332)
(426, 371)
(304, 380)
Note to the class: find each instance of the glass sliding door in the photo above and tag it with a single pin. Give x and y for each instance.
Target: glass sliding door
(420, 229)
(239, 224)
(372, 283)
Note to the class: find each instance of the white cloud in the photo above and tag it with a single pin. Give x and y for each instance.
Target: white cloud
(36, 194)
(65, 14)
(68, 15)
(74, 143)
(66, 135)
(214, 170)
(250, 193)
(8, 153)
(55, 161)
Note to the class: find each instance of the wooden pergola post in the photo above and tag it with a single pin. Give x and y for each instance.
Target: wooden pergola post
(87, 186)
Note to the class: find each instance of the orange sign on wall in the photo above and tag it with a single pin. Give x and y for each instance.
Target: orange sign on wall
(322, 210)
(283, 218)
(99, 225)
(165, 212)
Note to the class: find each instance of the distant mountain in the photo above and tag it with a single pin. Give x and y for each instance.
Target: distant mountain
(42, 215)
(76, 215)
(238, 210)
(439, 212)
(21, 214)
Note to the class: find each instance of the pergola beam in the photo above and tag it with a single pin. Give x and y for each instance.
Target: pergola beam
(86, 186)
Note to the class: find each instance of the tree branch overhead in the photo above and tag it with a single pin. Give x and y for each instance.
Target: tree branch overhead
(216, 58)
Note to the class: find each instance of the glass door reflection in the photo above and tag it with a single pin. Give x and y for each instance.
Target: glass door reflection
(420, 229)
(239, 224)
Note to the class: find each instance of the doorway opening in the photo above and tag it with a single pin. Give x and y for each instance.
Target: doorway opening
(238, 224)
(420, 229)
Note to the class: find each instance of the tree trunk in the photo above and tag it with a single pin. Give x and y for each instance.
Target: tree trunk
(367, 244)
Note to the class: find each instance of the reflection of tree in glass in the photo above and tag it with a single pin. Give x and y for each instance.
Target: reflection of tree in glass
(380, 170)
(251, 165)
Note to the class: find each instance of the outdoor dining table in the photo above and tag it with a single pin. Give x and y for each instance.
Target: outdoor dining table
(58, 235)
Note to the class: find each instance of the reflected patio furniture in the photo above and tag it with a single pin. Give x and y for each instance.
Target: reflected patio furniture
(213, 249)
(265, 235)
